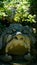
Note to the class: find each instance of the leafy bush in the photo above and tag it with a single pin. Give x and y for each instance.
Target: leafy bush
(33, 7)
(17, 11)
(33, 4)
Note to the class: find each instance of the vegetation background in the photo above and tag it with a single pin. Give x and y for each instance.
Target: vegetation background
(18, 11)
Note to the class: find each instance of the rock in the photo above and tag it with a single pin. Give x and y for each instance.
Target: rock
(28, 57)
(5, 58)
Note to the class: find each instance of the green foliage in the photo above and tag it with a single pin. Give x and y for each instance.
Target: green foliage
(33, 6)
(17, 10)
(2, 13)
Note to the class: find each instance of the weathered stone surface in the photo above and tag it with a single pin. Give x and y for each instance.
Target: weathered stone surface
(16, 43)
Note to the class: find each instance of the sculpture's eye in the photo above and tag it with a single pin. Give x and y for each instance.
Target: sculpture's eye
(19, 37)
(15, 37)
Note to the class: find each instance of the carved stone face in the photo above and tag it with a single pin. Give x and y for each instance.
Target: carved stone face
(19, 45)
(18, 39)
